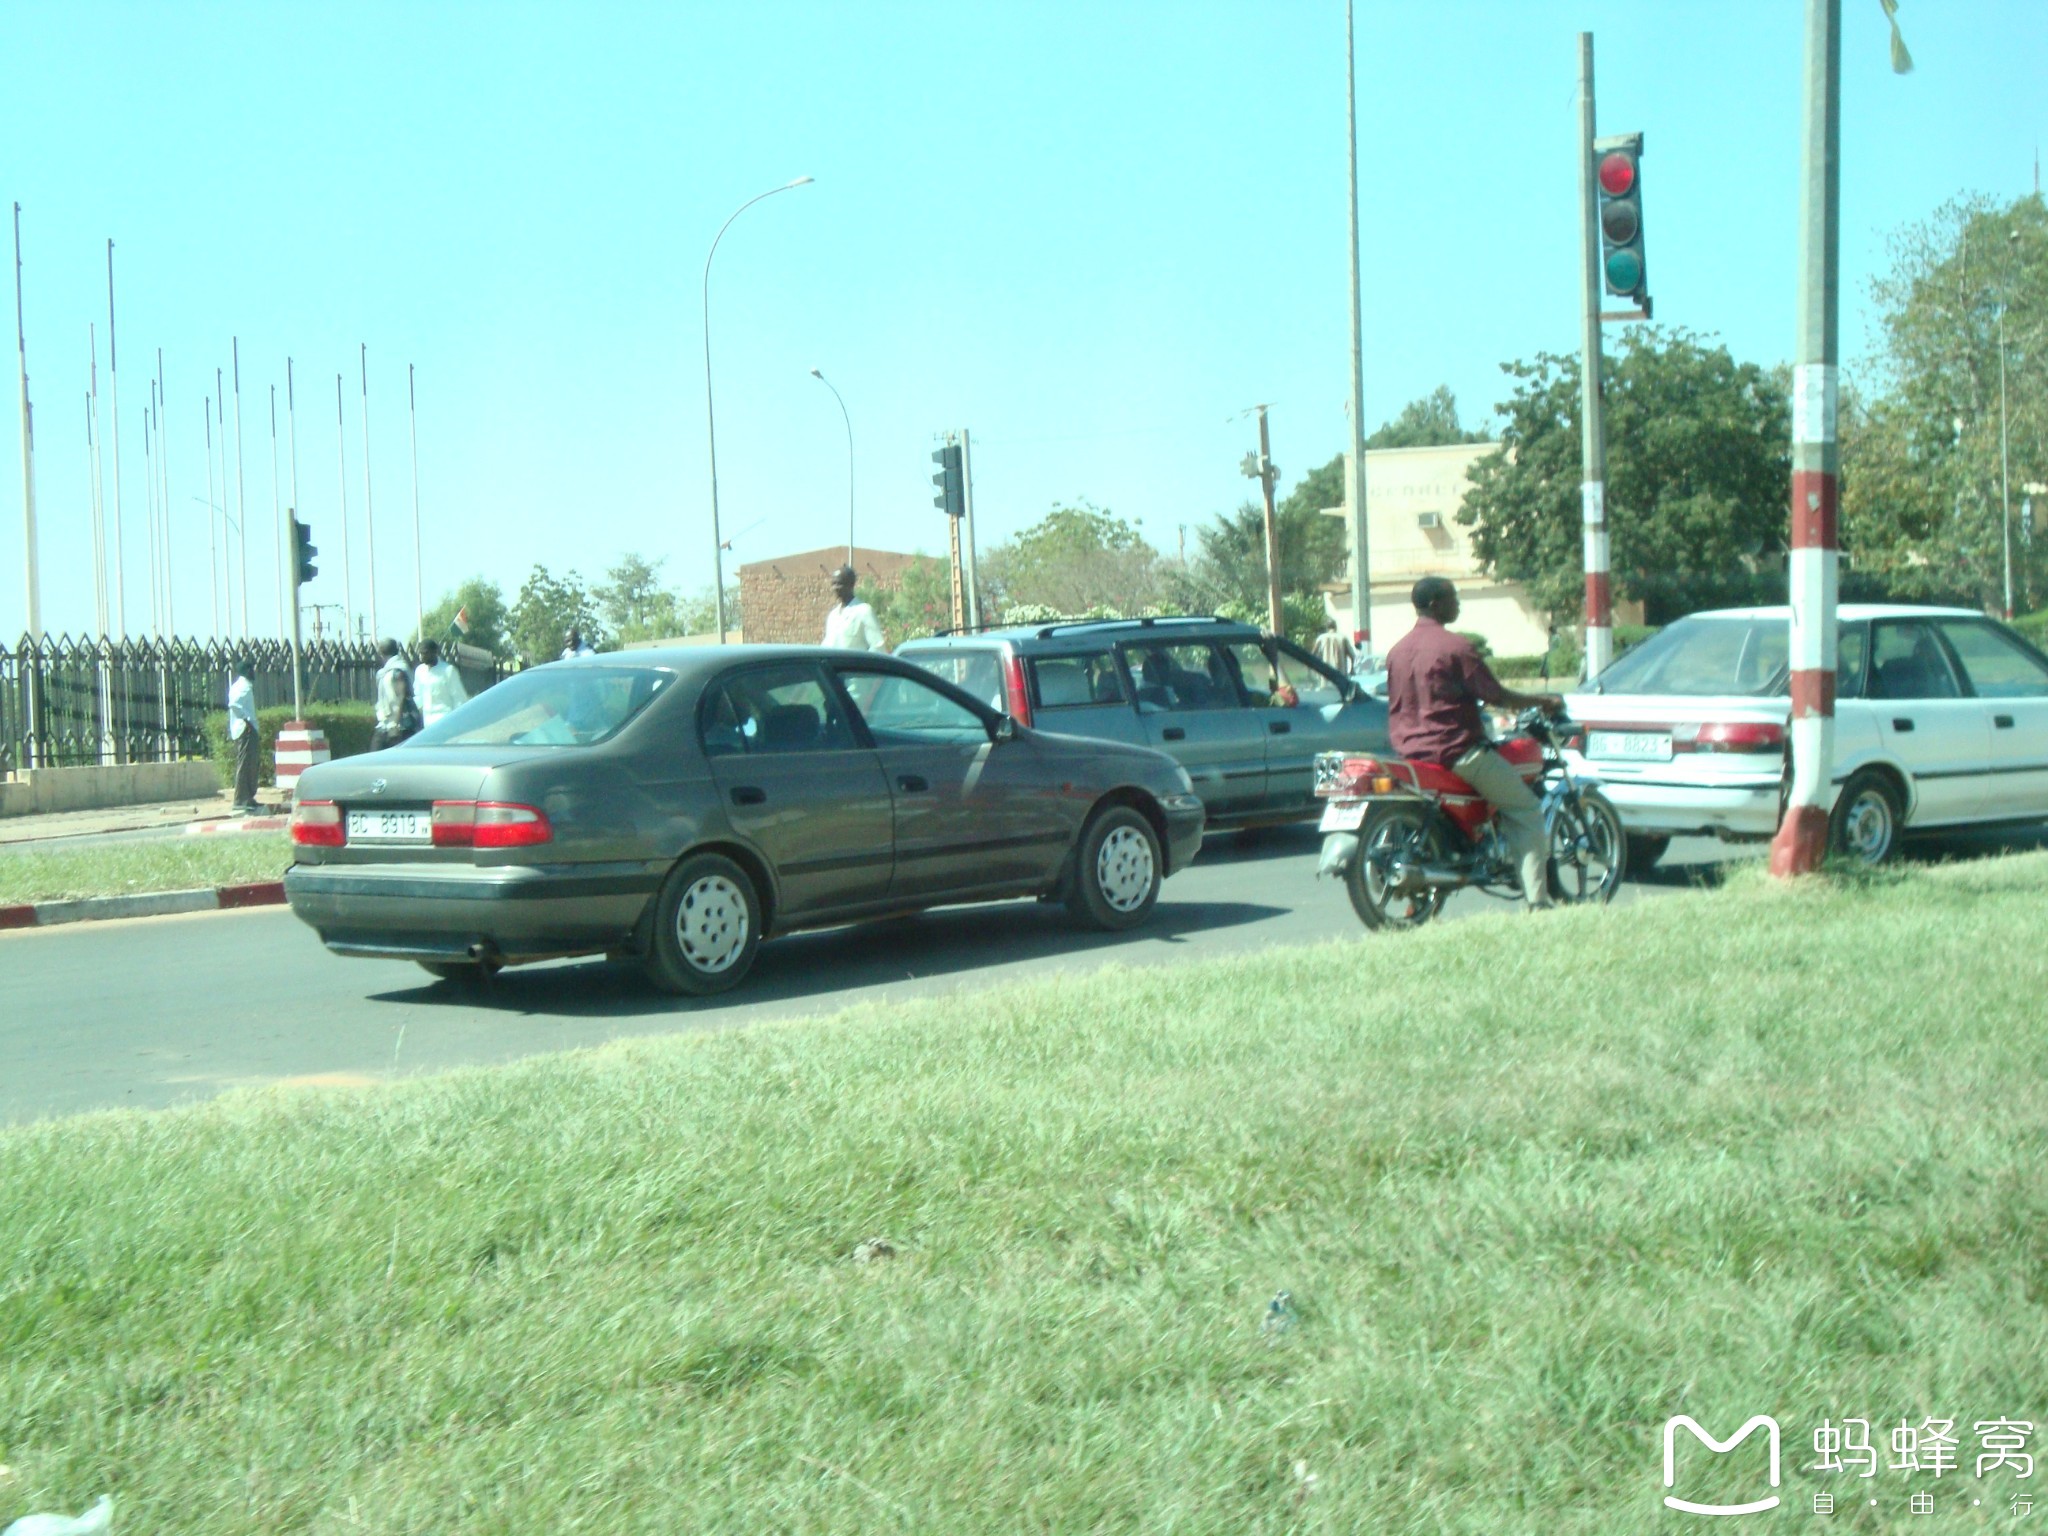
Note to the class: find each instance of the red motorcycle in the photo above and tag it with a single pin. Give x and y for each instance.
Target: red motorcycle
(1404, 835)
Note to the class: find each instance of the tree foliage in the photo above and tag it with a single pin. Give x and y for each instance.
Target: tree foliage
(636, 604)
(1698, 466)
(921, 602)
(1073, 559)
(1923, 506)
(547, 608)
(483, 603)
(1425, 423)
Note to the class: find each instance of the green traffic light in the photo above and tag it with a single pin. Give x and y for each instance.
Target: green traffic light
(1624, 271)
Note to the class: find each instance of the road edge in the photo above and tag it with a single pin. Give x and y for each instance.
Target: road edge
(87, 909)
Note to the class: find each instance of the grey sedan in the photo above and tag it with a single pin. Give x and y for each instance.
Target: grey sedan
(681, 805)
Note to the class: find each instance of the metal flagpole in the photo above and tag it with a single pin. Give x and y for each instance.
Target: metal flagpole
(227, 562)
(241, 491)
(291, 424)
(114, 389)
(276, 515)
(369, 507)
(348, 591)
(1815, 562)
(1592, 428)
(163, 470)
(149, 517)
(419, 611)
(212, 543)
(28, 467)
(96, 482)
(1354, 469)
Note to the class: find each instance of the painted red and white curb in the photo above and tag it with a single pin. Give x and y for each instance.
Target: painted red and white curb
(238, 824)
(220, 898)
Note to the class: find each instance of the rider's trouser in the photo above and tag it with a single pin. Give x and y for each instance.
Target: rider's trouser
(1521, 818)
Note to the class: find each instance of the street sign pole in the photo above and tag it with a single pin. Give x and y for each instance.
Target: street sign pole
(1593, 431)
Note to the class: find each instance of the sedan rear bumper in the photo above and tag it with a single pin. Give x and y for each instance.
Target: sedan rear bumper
(1745, 807)
(454, 913)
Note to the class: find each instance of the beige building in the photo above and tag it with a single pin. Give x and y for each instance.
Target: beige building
(1412, 497)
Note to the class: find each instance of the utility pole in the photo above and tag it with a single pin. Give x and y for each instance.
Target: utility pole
(1354, 463)
(28, 467)
(970, 576)
(1593, 430)
(1263, 470)
(1803, 834)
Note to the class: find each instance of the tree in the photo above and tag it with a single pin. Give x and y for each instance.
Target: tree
(547, 608)
(1698, 466)
(636, 604)
(482, 603)
(920, 604)
(1425, 423)
(698, 613)
(1074, 559)
(1231, 568)
(1923, 505)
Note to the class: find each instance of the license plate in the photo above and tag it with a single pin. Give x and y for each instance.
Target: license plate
(390, 827)
(1639, 746)
(1342, 816)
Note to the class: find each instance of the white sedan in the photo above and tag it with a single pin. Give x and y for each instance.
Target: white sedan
(1941, 720)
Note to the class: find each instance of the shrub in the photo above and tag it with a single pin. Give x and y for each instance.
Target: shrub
(347, 725)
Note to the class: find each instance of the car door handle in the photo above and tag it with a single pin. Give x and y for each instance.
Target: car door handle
(2003, 722)
(1901, 723)
(1173, 733)
(747, 794)
(1279, 727)
(911, 784)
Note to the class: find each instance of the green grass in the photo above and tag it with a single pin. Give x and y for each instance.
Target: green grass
(132, 868)
(1534, 1185)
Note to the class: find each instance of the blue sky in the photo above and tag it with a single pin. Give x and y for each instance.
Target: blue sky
(1091, 233)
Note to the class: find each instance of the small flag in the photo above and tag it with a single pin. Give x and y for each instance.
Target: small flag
(462, 618)
(1902, 61)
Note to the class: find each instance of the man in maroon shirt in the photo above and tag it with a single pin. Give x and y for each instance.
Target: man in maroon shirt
(1435, 685)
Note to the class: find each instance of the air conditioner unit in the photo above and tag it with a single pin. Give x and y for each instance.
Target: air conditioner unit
(1429, 519)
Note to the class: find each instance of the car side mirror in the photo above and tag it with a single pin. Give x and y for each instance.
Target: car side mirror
(1006, 728)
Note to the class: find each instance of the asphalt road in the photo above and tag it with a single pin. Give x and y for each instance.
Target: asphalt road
(160, 1011)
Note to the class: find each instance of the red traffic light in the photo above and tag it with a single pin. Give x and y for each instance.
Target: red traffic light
(1617, 173)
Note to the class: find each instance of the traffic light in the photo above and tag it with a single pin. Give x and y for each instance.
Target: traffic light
(952, 485)
(1618, 174)
(303, 551)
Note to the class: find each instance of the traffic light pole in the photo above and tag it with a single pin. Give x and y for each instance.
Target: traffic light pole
(970, 577)
(1354, 465)
(1593, 430)
(298, 664)
(1814, 566)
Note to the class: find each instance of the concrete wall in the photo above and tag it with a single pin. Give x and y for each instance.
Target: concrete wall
(90, 789)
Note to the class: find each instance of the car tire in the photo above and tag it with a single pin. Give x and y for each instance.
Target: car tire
(468, 973)
(706, 929)
(1864, 826)
(1116, 876)
(1644, 850)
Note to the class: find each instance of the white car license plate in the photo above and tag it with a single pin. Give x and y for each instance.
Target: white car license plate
(1635, 746)
(390, 826)
(1343, 816)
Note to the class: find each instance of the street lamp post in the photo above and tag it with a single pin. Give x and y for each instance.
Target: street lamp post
(820, 377)
(710, 416)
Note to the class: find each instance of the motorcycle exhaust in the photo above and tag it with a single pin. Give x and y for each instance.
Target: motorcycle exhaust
(1407, 879)
(1339, 850)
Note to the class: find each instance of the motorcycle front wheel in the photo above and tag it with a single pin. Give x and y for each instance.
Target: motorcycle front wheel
(1394, 831)
(1588, 850)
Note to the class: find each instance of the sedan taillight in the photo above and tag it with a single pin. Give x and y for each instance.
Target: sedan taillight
(1733, 736)
(317, 824)
(489, 824)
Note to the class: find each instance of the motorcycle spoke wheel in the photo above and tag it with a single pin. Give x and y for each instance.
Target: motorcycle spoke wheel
(1394, 832)
(1588, 851)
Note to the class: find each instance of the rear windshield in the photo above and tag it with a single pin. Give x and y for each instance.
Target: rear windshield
(978, 674)
(553, 706)
(1705, 656)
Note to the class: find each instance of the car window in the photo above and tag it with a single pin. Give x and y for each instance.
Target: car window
(905, 711)
(1998, 665)
(1907, 662)
(978, 673)
(550, 707)
(773, 709)
(1705, 656)
(1061, 682)
(1176, 677)
(1315, 684)
(1852, 648)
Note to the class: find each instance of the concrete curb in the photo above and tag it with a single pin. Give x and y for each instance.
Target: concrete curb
(238, 824)
(45, 914)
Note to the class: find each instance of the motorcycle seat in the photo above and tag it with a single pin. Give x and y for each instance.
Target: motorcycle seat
(1439, 780)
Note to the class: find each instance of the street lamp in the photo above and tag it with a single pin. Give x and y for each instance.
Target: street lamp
(710, 417)
(820, 377)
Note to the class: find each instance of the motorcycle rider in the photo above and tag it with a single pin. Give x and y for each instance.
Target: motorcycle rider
(1436, 682)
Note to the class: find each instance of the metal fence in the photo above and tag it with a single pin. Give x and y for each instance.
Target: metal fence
(68, 702)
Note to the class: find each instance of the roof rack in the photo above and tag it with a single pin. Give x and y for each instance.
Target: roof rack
(1045, 632)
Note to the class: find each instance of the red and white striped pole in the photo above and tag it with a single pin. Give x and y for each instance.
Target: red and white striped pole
(1593, 430)
(1803, 835)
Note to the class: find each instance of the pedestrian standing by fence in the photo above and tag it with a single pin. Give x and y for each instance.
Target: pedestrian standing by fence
(398, 713)
(436, 683)
(244, 733)
(851, 626)
(1334, 649)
